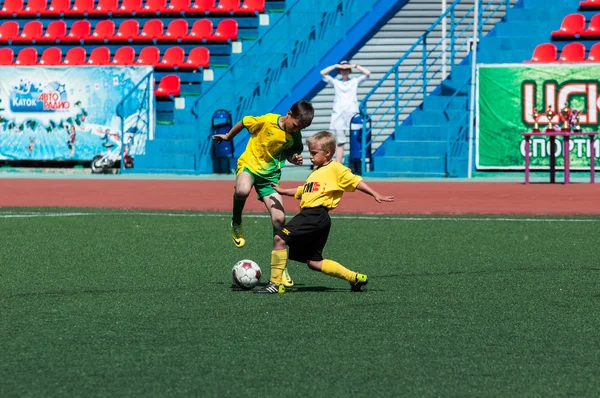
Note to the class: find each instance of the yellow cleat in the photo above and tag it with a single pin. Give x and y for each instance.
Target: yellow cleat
(287, 279)
(237, 235)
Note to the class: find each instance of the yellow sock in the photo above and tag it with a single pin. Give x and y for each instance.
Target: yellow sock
(278, 261)
(337, 270)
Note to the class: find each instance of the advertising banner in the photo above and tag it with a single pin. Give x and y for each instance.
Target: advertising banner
(513, 99)
(69, 113)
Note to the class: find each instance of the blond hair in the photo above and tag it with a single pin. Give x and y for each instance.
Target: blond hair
(324, 140)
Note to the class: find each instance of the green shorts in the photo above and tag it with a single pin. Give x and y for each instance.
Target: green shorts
(262, 185)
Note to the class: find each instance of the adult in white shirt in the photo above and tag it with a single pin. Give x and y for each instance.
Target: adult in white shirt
(345, 103)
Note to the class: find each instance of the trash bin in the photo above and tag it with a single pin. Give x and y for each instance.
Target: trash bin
(223, 152)
(356, 143)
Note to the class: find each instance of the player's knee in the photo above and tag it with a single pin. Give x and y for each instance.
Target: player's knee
(241, 193)
(278, 221)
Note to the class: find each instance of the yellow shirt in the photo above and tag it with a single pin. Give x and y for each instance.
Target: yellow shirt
(326, 185)
(269, 145)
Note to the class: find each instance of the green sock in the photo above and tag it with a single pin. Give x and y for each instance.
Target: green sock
(238, 208)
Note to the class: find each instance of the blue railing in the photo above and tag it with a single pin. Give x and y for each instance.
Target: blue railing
(414, 83)
(143, 120)
(267, 70)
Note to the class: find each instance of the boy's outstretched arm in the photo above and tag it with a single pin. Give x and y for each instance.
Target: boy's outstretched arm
(363, 187)
(328, 69)
(284, 191)
(235, 130)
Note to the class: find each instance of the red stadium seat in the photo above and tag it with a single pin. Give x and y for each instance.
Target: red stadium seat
(55, 32)
(31, 32)
(589, 4)
(11, 8)
(27, 57)
(202, 6)
(58, 8)
(104, 31)
(51, 56)
(198, 58)
(34, 8)
(148, 56)
(594, 55)
(99, 56)
(178, 7)
(593, 28)
(7, 56)
(124, 56)
(227, 30)
(201, 30)
(176, 31)
(75, 56)
(572, 26)
(105, 7)
(129, 30)
(170, 85)
(572, 52)
(172, 58)
(81, 8)
(154, 7)
(8, 31)
(130, 7)
(226, 7)
(152, 31)
(546, 52)
(80, 31)
(252, 7)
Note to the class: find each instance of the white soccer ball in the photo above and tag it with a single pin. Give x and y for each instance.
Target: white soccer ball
(246, 274)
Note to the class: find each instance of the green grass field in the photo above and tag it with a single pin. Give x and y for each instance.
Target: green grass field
(108, 303)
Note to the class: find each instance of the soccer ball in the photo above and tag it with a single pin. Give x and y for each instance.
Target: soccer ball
(246, 274)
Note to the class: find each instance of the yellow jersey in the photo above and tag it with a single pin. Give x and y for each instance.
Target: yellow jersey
(269, 145)
(326, 185)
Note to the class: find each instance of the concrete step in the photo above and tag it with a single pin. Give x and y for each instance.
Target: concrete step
(415, 148)
(429, 117)
(438, 102)
(403, 174)
(427, 133)
(422, 164)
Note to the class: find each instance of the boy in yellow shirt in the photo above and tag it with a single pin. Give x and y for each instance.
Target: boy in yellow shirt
(306, 234)
(273, 139)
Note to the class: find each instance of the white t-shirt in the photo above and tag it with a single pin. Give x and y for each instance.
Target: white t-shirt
(345, 99)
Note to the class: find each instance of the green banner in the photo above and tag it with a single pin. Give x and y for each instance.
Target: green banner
(511, 99)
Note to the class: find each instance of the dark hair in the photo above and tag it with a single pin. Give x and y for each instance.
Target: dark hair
(304, 112)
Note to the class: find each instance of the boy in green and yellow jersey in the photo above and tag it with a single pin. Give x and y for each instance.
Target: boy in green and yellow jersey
(273, 140)
(306, 234)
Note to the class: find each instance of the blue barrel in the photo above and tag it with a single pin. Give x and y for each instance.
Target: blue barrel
(356, 143)
(223, 152)
(221, 124)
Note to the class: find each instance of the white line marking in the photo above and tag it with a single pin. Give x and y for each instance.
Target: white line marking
(253, 215)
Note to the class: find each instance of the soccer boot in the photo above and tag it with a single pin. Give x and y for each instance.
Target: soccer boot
(361, 280)
(287, 279)
(271, 288)
(237, 235)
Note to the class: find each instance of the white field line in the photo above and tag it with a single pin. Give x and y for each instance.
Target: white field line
(252, 215)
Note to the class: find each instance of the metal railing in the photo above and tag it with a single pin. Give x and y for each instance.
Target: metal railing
(266, 70)
(140, 124)
(437, 56)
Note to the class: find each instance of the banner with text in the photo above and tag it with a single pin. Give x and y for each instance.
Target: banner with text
(69, 113)
(511, 99)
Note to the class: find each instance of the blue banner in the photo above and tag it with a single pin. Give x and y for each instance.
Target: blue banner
(69, 113)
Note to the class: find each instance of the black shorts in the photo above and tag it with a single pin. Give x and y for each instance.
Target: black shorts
(306, 234)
